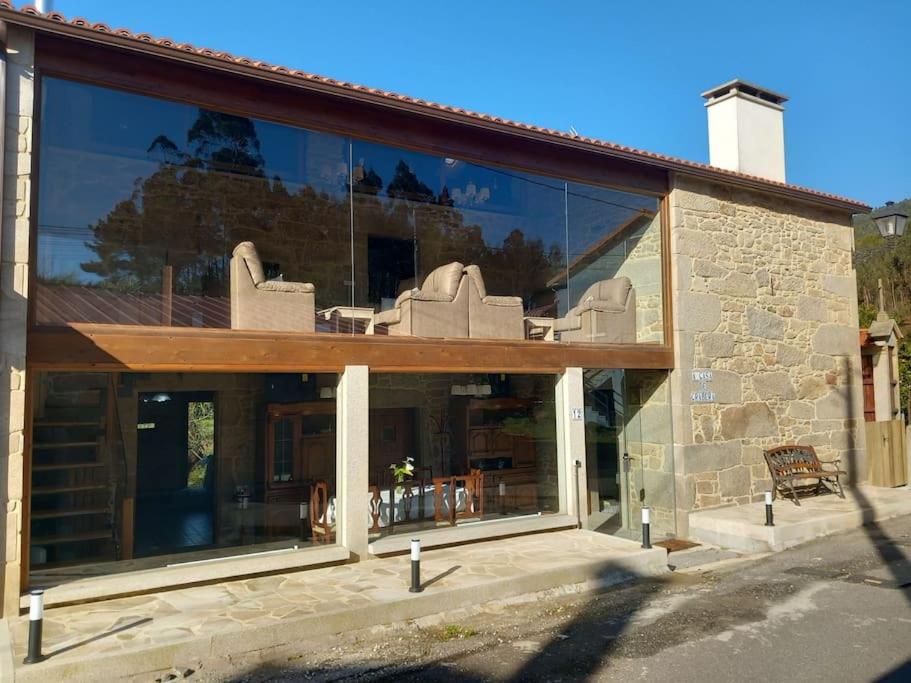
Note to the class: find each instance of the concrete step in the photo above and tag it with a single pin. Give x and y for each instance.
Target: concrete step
(742, 527)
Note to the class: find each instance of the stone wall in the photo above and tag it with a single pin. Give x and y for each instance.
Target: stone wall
(13, 306)
(765, 298)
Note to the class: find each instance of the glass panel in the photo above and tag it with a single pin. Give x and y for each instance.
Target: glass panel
(457, 449)
(614, 292)
(191, 467)
(142, 203)
(629, 454)
(415, 214)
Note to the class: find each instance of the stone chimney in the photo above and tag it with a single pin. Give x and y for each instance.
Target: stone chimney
(746, 129)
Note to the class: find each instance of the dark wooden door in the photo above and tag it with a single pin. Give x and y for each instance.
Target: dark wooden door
(866, 365)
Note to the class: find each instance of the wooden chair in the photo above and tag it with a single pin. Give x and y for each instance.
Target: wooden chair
(444, 491)
(789, 464)
(323, 531)
(473, 483)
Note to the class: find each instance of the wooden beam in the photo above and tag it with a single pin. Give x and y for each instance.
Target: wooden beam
(182, 349)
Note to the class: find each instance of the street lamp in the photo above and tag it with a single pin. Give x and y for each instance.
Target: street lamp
(890, 220)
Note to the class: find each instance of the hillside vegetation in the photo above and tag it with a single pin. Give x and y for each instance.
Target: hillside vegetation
(889, 260)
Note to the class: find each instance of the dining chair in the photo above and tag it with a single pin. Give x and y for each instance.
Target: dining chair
(323, 530)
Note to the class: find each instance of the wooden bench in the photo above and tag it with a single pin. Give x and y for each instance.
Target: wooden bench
(788, 464)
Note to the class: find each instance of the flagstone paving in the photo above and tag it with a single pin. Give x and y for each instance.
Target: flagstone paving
(461, 575)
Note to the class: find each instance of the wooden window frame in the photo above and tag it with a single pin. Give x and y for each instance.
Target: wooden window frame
(82, 346)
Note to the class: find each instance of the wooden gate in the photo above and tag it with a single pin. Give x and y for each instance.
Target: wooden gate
(887, 462)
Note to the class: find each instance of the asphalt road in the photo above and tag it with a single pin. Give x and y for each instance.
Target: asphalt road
(837, 609)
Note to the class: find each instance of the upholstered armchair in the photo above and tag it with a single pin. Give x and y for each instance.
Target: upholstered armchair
(261, 304)
(492, 317)
(605, 314)
(439, 308)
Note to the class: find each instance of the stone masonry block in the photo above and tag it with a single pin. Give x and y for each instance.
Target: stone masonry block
(774, 385)
(762, 323)
(734, 482)
(710, 456)
(835, 340)
(749, 420)
(699, 312)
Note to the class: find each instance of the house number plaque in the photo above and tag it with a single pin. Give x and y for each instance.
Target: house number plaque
(704, 393)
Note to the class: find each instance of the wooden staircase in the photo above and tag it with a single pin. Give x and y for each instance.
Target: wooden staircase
(73, 490)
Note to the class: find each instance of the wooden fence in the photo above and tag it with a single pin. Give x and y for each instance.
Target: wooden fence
(886, 455)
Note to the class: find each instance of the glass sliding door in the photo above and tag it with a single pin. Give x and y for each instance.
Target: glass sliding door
(142, 470)
(629, 455)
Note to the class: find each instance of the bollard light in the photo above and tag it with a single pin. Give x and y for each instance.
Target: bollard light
(35, 622)
(768, 509)
(415, 566)
(646, 527)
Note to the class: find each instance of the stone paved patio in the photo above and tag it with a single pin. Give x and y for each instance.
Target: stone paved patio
(136, 636)
(742, 527)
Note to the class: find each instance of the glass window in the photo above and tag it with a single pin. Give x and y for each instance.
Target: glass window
(192, 467)
(153, 212)
(415, 213)
(613, 293)
(142, 203)
(456, 449)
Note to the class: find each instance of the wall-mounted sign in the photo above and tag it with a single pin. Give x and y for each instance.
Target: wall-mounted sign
(704, 393)
(577, 414)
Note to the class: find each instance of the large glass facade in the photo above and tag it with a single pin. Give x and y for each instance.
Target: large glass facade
(153, 212)
(448, 449)
(133, 471)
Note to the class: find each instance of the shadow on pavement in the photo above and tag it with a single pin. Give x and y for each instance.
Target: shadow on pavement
(890, 553)
(580, 649)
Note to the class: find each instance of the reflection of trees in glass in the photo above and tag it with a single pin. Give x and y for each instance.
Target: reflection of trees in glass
(210, 192)
(200, 203)
(412, 210)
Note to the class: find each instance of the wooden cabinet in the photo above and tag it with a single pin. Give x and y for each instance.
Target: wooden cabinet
(495, 433)
(300, 448)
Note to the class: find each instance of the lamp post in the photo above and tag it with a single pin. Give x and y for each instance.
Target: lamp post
(890, 220)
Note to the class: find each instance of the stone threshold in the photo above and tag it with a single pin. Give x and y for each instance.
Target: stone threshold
(742, 527)
(471, 533)
(91, 589)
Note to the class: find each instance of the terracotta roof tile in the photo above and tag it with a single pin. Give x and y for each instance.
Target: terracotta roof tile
(8, 11)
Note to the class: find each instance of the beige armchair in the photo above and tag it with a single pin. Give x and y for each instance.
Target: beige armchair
(438, 309)
(605, 314)
(492, 317)
(261, 304)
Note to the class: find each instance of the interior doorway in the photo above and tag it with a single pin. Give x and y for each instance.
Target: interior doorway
(175, 472)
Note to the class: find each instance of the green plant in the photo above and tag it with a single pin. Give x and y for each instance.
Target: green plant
(456, 632)
(403, 470)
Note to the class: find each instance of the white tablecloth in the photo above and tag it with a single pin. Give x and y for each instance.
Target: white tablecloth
(417, 510)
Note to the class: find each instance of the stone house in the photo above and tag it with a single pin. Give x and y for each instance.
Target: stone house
(635, 331)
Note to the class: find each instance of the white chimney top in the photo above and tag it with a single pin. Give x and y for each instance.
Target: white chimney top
(746, 129)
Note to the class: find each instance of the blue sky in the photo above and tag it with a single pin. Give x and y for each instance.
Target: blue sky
(628, 72)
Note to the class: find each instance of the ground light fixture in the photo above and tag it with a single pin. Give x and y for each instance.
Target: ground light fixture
(890, 220)
(415, 566)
